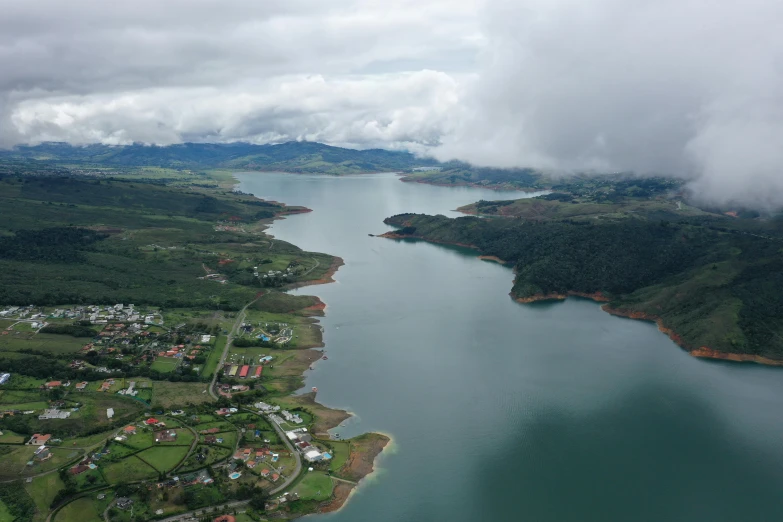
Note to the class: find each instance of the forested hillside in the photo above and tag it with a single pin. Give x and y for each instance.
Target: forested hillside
(715, 286)
(69, 239)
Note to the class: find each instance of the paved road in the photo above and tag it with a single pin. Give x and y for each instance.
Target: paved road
(240, 319)
(192, 515)
(293, 451)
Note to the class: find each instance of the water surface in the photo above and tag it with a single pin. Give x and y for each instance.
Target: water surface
(501, 411)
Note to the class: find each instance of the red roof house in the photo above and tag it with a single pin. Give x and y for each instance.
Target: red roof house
(151, 421)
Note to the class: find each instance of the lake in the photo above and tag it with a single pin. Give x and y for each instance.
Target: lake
(503, 411)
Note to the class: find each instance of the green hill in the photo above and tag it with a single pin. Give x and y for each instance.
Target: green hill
(304, 157)
(713, 280)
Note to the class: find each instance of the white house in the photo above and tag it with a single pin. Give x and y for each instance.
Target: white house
(313, 455)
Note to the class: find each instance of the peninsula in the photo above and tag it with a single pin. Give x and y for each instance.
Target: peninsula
(707, 277)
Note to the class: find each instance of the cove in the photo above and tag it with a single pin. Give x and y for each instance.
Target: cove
(504, 411)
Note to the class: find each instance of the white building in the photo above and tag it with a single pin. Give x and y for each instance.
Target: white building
(54, 414)
(313, 455)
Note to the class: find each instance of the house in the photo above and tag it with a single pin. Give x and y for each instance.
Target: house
(42, 453)
(151, 421)
(130, 430)
(124, 503)
(243, 372)
(81, 386)
(257, 374)
(54, 413)
(166, 436)
(109, 412)
(313, 455)
(39, 440)
(275, 476)
(78, 469)
(210, 439)
(265, 472)
(53, 384)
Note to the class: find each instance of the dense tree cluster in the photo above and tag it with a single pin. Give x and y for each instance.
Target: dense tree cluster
(50, 245)
(621, 257)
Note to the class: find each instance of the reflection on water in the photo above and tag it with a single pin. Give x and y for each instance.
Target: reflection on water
(502, 411)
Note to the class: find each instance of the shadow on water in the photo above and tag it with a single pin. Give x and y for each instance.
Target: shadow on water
(643, 458)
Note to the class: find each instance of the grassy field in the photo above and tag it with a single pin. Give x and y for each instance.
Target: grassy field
(9, 437)
(222, 425)
(169, 394)
(128, 470)
(14, 462)
(51, 343)
(213, 454)
(316, 485)
(5, 513)
(229, 438)
(91, 440)
(214, 357)
(92, 414)
(80, 510)
(142, 440)
(164, 364)
(89, 479)
(341, 450)
(42, 490)
(164, 458)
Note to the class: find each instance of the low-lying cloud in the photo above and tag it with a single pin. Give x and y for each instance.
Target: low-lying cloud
(689, 88)
(680, 87)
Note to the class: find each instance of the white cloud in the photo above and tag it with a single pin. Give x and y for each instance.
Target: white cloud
(416, 108)
(684, 87)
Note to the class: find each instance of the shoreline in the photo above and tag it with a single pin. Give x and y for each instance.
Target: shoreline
(343, 491)
(327, 278)
(703, 352)
(361, 462)
(499, 188)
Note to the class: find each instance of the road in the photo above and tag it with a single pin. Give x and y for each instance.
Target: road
(193, 515)
(293, 451)
(192, 446)
(237, 323)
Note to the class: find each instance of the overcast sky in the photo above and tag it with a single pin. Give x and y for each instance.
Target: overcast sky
(686, 87)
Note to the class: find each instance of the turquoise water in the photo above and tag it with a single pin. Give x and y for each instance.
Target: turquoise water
(503, 411)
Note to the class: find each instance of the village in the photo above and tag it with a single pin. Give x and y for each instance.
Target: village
(178, 458)
(198, 456)
(119, 338)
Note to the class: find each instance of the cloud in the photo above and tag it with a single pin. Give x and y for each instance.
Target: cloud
(350, 72)
(682, 87)
(415, 109)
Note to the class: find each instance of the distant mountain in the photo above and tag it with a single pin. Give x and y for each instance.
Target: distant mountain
(293, 156)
